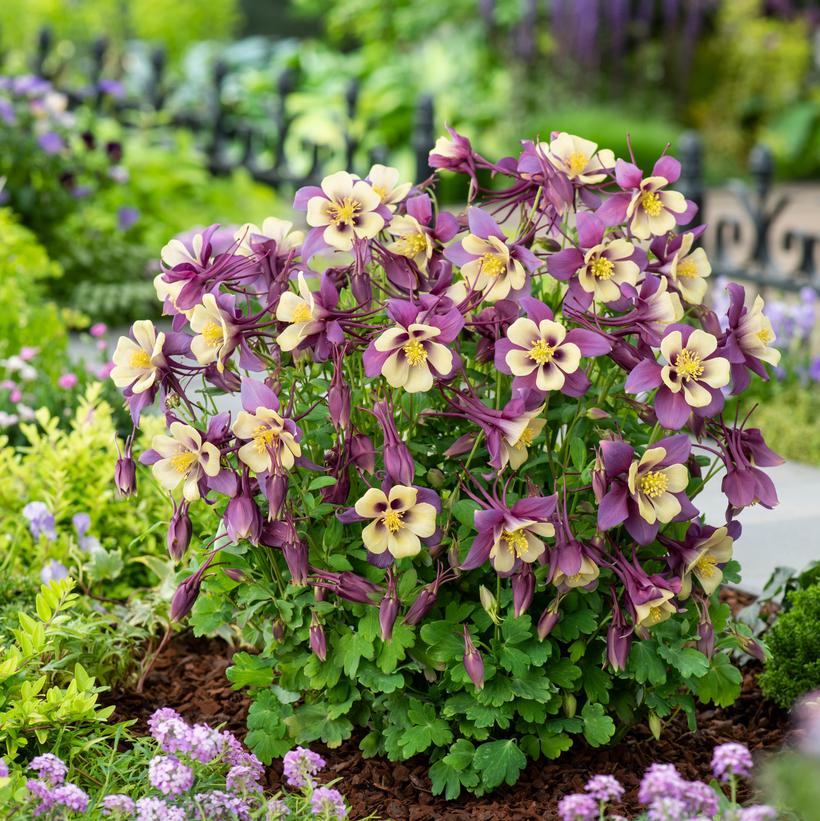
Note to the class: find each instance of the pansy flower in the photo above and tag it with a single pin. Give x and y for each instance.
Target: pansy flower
(138, 361)
(385, 182)
(690, 380)
(346, 208)
(542, 355)
(414, 353)
(644, 492)
(184, 458)
(271, 440)
(597, 269)
(490, 264)
(645, 204)
(510, 536)
(579, 159)
(399, 523)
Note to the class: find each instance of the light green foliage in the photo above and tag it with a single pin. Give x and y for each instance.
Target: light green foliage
(39, 700)
(794, 642)
(26, 319)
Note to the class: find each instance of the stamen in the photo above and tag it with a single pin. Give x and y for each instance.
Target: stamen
(706, 565)
(493, 265)
(140, 359)
(412, 245)
(655, 615)
(687, 268)
(688, 364)
(576, 163)
(515, 541)
(345, 212)
(415, 352)
(302, 313)
(542, 352)
(181, 462)
(653, 484)
(213, 334)
(264, 438)
(651, 203)
(526, 438)
(765, 336)
(602, 268)
(393, 520)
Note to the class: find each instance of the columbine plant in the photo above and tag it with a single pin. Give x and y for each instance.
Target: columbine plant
(523, 398)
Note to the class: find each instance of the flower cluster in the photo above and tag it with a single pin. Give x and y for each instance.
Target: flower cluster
(198, 772)
(538, 368)
(668, 796)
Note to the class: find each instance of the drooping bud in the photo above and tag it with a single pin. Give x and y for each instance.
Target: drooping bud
(618, 644)
(489, 603)
(187, 593)
(655, 725)
(179, 531)
(599, 483)
(523, 588)
(233, 573)
(362, 452)
(751, 646)
(125, 472)
(243, 519)
(570, 705)
(549, 618)
(362, 288)
(706, 638)
(347, 585)
(276, 490)
(473, 663)
(422, 605)
(389, 607)
(338, 398)
(318, 641)
(597, 414)
(398, 461)
(278, 629)
(283, 534)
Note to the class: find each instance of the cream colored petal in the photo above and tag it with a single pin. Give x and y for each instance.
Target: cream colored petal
(671, 345)
(503, 559)
(294, 334)
(366, 506)
(209, 458)
(666, 507)
(535, 548)
(190, 490)
(396, 370)
(145, 334)
(716, 372)
(258, 461)
(674, 385)
(391, 339)
(520, 363)
(166, 474)
(440, 357)
(319, 212)
(204, 353)
(476, 245)
(646, 509)
(421, 519)
(341, 240)
(523, 332)
(651, 457)
(374, 537)
(545, 529)
(403, 543)
(701, 342)
(570, 357)
(364, 193)
(338, 186)
(677, 476)
(404, 494)
(245, 425)
(287, 306)
(368, 225)
(419, 379)
(696, 395)
(554, 331)
(549, 378)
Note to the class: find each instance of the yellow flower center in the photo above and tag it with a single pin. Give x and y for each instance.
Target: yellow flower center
(515, 541)
(140, 359)
(687, 268)
(707, 565)
(655, 615)
(493, 265)
(653, 484)
(393, 520)
(213, 335)
(525, 440)
(576, 163)
(302, 313)
(264, 437)
(381, 191)
(542, 352)
(575, 578)
(651, 203)
(412, 245)
(689, 364)
(415, 352)
(344, 212)
(765, 336)
(602, 268)
(181, 462)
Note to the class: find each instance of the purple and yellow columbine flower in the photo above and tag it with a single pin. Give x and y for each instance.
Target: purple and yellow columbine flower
(542, 355)
(184, 459)
(653, 611)
(586, 575)
(705, 559)
(643, 492)
(302, 313)
(690, 380)
(414, 354)
(274, 230)
(346, 207)
(578, 159)
(490, 264)
(689, 269)
(138, 361)
(410, 240)
(384, 180)
(510, 536)
(215, 334)
(399, 523)
(644, 204)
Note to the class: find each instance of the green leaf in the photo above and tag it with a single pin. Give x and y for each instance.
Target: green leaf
(374, 679)
(250, 671)
(596, 683)
(645, 663)
(721, 685)
(395, 650)
(267, 732)
(598, 726)
(425, 730)
(553, 744)
(499, 761)
(352, 648)
(313, 721)
(463, 511)
(578, 453)
(689, 662)
(563, 673)
(572, 625)
(517, 630)
(453, 771)
(322, 481)
(443, 641)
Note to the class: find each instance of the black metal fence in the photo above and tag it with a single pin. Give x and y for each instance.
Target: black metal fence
(741, 245)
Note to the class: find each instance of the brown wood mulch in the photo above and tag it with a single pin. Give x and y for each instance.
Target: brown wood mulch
(189, 675)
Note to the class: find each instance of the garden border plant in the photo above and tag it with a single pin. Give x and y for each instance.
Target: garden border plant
(458, 499)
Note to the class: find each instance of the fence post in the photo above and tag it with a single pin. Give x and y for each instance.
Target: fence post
(215, 160)
(761, 168)
(423, 135)
(44, 42)
(690, 184)
(155, 90)
(351, 104)
(99, 48)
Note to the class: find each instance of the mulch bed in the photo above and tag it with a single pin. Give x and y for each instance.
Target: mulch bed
(190, 676)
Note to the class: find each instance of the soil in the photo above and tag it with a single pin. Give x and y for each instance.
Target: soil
(189, 675)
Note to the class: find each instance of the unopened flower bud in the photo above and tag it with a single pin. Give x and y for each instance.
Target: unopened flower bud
(655, 725)
(318, 642)
(473, 663)
(422, 605)
(618, 644)
(436, 478)
(752, 646)
(362, 453)
(243, 520)
(706, 638)
(125, 476)
(549, 618)
(276, 489)
(523, 588)
(278, 629)
(570, 705)
(185, 597)
(489, 603)
(233, 573)
(179, 531)
(338, 401)
(388, 611)
(398, 463)
(597, 414)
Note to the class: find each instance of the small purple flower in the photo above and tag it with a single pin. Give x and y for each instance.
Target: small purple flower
(67, 381)
(730, 760)
(667, 809)
(328, 804)
(53, 571)
(4, 768)
(221, 806)
(660, 781)
(98, 329)
(118, 806)
(71, 797)
(759, 812)
(242, 778)
(204, 743)
(169, 775)
(170, 730)
(41, 520)
(155, 809)
(604, 788)
(50, 768)
(276, 810)
(300, 765)
(700, 799)
(578, 807)
(51, 142)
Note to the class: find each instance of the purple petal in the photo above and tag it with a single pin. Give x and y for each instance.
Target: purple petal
(677, 449)
(591, 343)
(224, 482)
(575, 384)
(526, 257)
(402, 312)
(502, 348)
(645, 376)
(564, 264)
(639, 529)
(457, 255)
(420, 208)
(479, 551)
(149, 457)
(612, 509)
(688, 215)
(314, 244)
(306, 193)
(373, 361)
(535, 507)
(446, 227)
(590, 229)
(617, 457)
(334, 332)
(536, 310)
(671, 409)
(613, 211)
(257, 395)
(668, 168)
(482, 224)
(627, 175)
